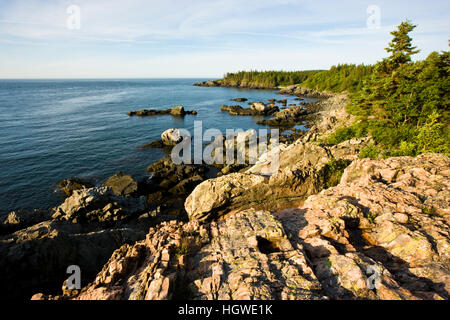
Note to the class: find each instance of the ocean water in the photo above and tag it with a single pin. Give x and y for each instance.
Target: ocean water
(56, 129)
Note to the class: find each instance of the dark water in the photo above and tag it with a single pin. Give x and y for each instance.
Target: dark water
(55, 129)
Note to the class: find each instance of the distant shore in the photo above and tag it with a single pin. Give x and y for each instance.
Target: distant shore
(295, 89)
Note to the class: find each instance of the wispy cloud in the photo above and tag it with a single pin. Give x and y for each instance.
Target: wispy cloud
(141, 35)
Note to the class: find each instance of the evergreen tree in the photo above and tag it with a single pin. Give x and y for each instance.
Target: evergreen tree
(401, 47)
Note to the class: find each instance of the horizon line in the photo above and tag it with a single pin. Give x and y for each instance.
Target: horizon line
(110, 78)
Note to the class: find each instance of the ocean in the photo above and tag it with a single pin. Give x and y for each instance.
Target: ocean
(56, 129)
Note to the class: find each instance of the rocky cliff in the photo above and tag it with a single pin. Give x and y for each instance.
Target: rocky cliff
(388, 216)
(326, 225)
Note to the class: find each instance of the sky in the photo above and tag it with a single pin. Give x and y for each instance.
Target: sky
(204, 38)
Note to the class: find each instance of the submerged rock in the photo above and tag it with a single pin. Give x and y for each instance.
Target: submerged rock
(240, 99)
(153, 145)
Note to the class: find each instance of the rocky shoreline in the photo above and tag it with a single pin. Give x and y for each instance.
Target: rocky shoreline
(295, 90)
(312, 230)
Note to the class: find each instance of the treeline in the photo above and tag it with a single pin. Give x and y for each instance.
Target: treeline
(343, 77)
(268, 79)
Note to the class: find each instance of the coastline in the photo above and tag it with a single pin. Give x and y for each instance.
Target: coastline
(169, 223)
(294, 89)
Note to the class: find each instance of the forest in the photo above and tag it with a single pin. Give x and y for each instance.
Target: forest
(401, 103)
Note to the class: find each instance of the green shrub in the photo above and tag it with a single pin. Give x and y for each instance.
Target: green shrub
(431, 137)
(341, 135)
(356, 130)
(333, 170)
(406, 149)
(370, 151)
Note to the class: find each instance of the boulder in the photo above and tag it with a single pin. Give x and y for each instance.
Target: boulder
(177, 111)
(171, 137)
(210, 198)
(122, 184)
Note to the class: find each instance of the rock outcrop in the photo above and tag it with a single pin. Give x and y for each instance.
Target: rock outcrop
(291, 116)
(175, 111)
(207, 84)
(324, 225)
(171, 184)
(239, 258)
(302, 172)
(122, 184)
(298, 90)
(68, 186)
(98, 205)
(38, 256)
(388, 215)
(382, 233)
(256, 109)
(21, 219)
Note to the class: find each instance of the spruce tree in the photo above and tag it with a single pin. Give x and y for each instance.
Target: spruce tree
(401, 47)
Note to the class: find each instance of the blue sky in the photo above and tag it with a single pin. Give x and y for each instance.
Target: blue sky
(203, 38)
